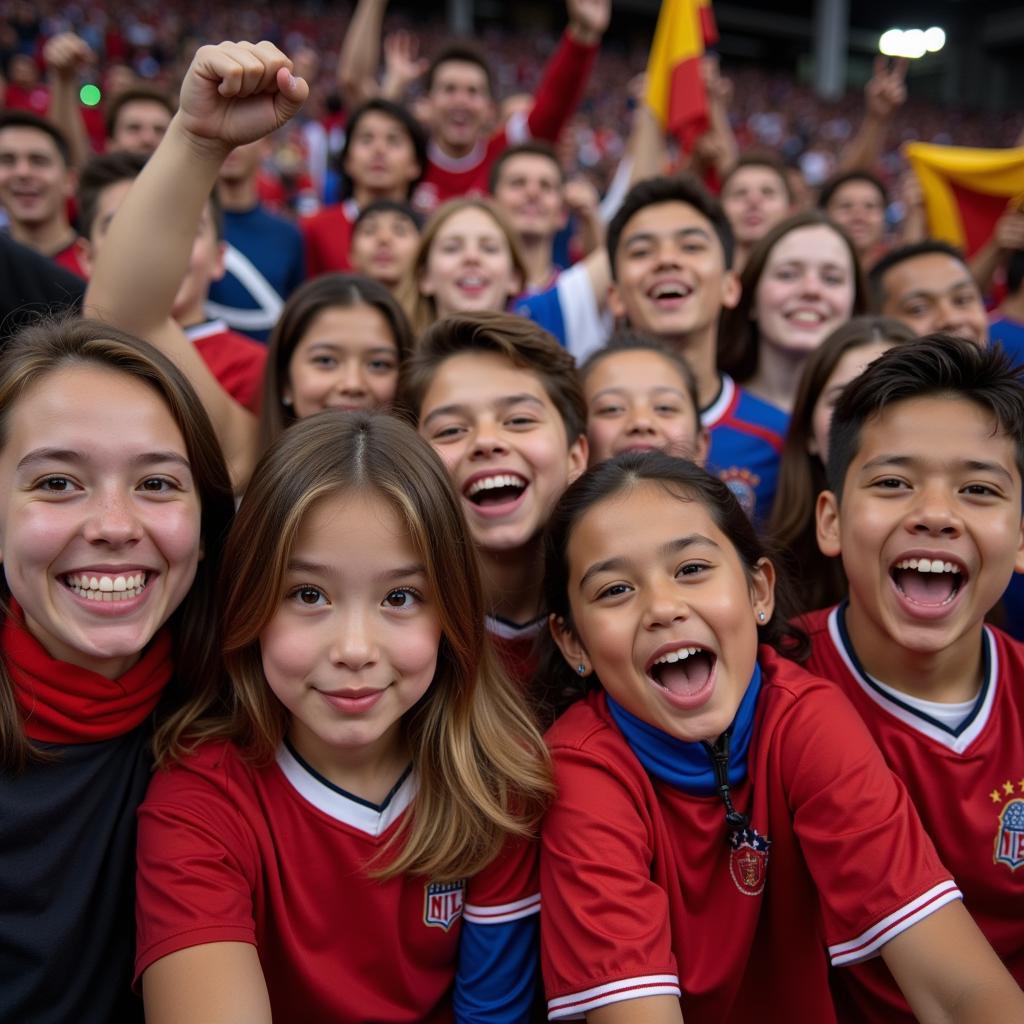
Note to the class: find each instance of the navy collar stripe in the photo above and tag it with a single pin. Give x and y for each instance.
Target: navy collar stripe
(377, 808)
(986, 681)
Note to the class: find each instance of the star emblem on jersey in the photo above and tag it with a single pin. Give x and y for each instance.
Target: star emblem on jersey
(442, 903)
(1009, 848)
(748, 860)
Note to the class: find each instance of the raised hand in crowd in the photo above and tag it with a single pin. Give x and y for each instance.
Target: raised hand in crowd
(66, 56)
(233, 94)
(588, 19)
(402, 64)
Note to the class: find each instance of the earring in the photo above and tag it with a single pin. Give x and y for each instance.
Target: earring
(581, 668)
(286, 402)
(760, 616)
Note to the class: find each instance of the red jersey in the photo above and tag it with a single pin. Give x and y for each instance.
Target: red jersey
(966, 783)
(70, 259)
(235, 360)
(278, 857)
(327, 237)
(558, 95)
(517, 647)
(644, 894)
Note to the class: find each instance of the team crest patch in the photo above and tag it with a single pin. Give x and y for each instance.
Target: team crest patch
(442, 904)
(1010, 837)
(743, 485)
(748, 860)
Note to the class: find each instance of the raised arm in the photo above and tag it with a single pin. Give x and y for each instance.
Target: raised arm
(567, 71)
(884, 94)
(232, 94)
(360, 53)
(65, 55)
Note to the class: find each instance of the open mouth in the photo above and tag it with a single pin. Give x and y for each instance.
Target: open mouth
(806, 318)
(930, 582)
(106, 588)
(500, 489)
(684, 672)
(669, 292)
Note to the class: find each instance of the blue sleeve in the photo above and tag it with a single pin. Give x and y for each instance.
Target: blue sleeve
(545, 309)
(496, 978)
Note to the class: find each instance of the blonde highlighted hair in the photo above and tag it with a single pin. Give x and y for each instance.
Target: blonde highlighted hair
(422, 309)
(482, 769)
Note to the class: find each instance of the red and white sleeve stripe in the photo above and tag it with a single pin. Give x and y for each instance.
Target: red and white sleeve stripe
(502, 913)
(576, 1005)
(869, 942)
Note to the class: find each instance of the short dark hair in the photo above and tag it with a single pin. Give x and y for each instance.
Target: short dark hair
(837, 181)
(757, 159)
(739, 337)
(525, 345)
(940, 365)
(26, 119)
(465, 52)
(403, 118)
(633, 341)
(100, 173)
(138, 94)
(679, 188)
(108, 169)
(532, 148)
(388, 206)
(906, 252)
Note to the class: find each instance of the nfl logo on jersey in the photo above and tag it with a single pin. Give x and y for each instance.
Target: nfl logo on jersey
(748, 860)
(1010, 839)
(442, 904)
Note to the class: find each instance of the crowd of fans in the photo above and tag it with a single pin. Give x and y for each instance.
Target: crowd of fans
(460, 541)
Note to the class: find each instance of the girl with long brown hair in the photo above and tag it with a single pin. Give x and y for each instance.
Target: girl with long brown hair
(111, 553)
(368, 788)
(819, 580)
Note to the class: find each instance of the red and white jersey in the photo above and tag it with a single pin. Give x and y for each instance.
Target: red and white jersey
(644, 893)
(517, 647)
(557, 97)
(327, 238)
(236, 361)
(278, 857)
(967, 785)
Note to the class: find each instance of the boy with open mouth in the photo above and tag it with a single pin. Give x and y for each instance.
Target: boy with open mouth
(925, 464)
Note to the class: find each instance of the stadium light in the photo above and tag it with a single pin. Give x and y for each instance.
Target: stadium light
(912, 43)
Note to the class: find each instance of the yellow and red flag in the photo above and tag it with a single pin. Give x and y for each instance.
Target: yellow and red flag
(966, 190)
(675, 88)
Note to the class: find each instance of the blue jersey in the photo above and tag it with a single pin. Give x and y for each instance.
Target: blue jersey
(746, 443)
(263, 265)
(1009, 334)
(569, 311)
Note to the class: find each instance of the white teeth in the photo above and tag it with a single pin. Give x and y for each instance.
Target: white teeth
(489, 483)
(928, 565)
(673, 656)
(669, 290)
(107, 588)
(806, 317)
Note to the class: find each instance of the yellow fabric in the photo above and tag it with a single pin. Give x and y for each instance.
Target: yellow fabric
(678, 37)
(994, 172)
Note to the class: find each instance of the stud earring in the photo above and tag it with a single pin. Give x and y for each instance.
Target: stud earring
(286, 402)
(581, 668)
(760, 616)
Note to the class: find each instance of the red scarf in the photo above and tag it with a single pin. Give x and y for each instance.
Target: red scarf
(61, 703)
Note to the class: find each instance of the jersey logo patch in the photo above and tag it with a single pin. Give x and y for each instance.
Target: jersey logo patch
(1010, 837)
(442, 904)
(743, 485)
(748, 860)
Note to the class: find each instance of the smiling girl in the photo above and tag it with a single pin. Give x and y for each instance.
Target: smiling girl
(349, 838)
(111, 542)
(469, 259)
(723, 818)
(800, 283)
